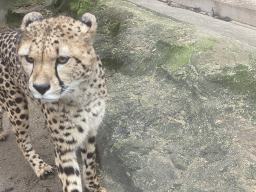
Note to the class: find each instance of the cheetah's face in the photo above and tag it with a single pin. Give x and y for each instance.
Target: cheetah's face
(57, 54)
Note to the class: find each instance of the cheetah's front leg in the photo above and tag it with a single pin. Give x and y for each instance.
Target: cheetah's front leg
(18, 114)
(68, 169)
(89, 167)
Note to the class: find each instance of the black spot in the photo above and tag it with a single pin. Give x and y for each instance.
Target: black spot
(90, 155)
(6, 76)
(60, 169)
(10, 103)
(18, 122)
(71, 141)
(61, 140)
(54, 121)
(91, 140)
(54, 138)
(61, 127)
(17, 110)
(84, 67)
(22, 132)
(80, 129)
(74, 190)
(96, 186)
(18, 100)
(69, 171)
(23, 116)
(12, 92)
(56, 41)
(51, 109)
(95, 114)
(88, 173)
(83, 151)
(67, 134)
(77, 60)
(87, 109)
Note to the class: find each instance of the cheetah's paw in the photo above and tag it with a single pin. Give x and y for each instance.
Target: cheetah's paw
(45, 171)
(3, 135)
(101, 189)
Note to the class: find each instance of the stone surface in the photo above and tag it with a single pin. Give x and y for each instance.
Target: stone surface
(243, 11)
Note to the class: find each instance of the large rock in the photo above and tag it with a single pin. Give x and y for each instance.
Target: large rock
(180, 110)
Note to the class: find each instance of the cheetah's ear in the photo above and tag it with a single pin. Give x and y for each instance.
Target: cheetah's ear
(30, 18)
(90, 21)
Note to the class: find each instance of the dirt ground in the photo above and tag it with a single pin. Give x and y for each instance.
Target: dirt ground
(17, 176)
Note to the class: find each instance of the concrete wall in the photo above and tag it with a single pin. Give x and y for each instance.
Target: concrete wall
(236, 12)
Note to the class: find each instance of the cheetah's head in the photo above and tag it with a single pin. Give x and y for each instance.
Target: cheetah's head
(57, 54)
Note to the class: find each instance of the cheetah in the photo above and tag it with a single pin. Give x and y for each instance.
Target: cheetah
(53, 62)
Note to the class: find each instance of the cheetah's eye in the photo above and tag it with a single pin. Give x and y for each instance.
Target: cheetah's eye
(29, 59)
(62, 60)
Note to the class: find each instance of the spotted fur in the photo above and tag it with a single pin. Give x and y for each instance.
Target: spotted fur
(53, 62)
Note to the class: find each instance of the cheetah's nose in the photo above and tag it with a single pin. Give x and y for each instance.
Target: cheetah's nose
(41, 88)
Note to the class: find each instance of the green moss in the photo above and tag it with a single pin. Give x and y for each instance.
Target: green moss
(13, 19)
(20, 3)
(19, 9)
(241, 80)
(176, 56)
(73, 8)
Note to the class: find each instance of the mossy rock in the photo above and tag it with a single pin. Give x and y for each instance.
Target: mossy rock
(20, 8)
